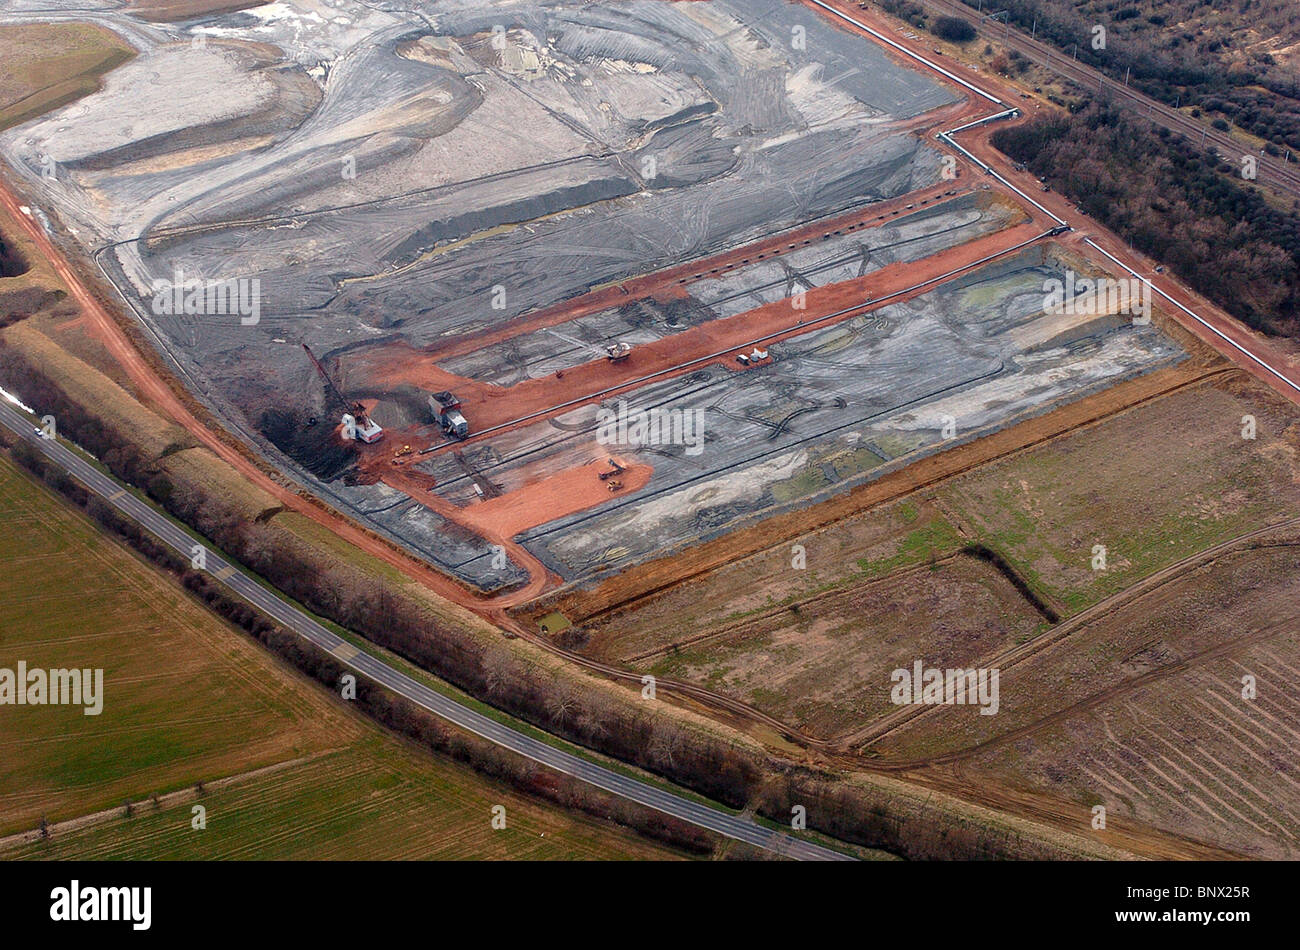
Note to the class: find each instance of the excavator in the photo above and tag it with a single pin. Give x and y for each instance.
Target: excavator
(357, 424)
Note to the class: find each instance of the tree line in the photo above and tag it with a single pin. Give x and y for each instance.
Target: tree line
(647, 735)
(1174, 201)
(1183, 53)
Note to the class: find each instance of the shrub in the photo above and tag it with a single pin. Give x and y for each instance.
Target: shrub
(953, 29)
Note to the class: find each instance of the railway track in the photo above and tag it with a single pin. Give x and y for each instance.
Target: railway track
(1278, 175)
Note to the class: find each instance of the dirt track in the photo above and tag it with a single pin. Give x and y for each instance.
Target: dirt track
(154, 388)
(1150, 843)
(883, 727)
(496, 408)
(645, 580)
(500, 521)
(978, 142)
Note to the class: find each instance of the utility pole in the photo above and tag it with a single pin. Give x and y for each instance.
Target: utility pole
(1034, 31)
(1074, 53)
(1126, 71)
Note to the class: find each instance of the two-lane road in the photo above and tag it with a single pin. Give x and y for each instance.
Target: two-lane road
(291, 618)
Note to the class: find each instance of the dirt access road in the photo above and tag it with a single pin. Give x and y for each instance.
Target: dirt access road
(977, 141)
(152, 386)
(156, 387)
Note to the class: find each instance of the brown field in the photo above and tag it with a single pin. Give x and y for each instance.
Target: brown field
(652, 579)
(858, 549)
(824, 664)
(1131, 701)
(167, 11)
(1201, 584)
(1142, 710)
(48, 65)
(1153, 486)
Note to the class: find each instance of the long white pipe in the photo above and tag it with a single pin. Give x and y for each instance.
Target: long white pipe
(1205, 323)
(907, 52)
(988, 169)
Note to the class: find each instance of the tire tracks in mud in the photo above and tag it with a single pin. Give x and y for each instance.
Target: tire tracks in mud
(841, 749)
(151, 383)
(1057, 635)
(910, 488)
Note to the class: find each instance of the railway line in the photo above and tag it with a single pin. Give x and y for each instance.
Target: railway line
(494, 608)
(1278, 175)
(1224, 333)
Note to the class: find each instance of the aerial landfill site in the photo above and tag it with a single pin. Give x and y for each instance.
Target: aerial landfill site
(726, 396)
(595, 205)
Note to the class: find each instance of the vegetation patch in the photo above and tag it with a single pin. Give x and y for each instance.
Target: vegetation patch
(1173, 201)
(48, 65)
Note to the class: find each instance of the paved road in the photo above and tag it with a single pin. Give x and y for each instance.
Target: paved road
(742, 829)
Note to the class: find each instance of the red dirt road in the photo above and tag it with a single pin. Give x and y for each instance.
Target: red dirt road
(978, 142)
(495, 405)
(554, 496)
(488, 405)
(151, 388)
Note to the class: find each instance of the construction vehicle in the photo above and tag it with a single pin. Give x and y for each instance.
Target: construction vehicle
(617, 352)
(615, 469)
(446, 412)
(357, 423)
(615, 485)
(400, 455)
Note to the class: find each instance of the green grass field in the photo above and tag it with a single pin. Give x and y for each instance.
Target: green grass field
(373, 800)
(1152, 486)
(186, 700)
